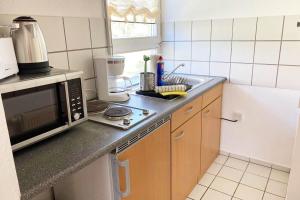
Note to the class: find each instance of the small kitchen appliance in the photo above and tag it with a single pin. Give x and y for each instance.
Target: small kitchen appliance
(117, 115)
(109, 72)
(8, 62)
(39, 106)
(30, 46)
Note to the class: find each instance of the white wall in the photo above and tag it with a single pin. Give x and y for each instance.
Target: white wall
(74, 8)
(268, 127)
(207, 9)
(9, 186)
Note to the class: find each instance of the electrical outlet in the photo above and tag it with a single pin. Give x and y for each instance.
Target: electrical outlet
(237, 116)
(298, 24)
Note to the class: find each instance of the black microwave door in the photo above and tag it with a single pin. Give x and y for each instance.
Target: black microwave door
(35, 111)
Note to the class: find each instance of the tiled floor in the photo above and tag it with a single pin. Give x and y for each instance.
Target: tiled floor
(229, 178)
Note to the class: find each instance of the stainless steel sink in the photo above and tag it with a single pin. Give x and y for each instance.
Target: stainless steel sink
(191, 80)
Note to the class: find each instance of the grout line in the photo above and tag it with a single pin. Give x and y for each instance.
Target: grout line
(229, 75)
(254, 51)
(283, 24)
(267, 183)
(65, 35)
(241, 178)
(210, 37)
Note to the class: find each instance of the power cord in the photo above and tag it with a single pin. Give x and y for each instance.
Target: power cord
(229, 120)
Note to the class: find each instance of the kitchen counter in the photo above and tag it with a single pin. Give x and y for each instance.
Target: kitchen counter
(42, 165)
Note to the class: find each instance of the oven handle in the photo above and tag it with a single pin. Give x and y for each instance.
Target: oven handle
(125, 165)
(65, 83)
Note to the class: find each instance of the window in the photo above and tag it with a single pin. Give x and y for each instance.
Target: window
(135, 30)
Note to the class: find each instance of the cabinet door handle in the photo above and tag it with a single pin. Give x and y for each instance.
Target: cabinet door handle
(180, 135)
(189, 110)
(125, 165)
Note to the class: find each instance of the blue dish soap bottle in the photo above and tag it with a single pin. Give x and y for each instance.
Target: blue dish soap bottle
(160, 71)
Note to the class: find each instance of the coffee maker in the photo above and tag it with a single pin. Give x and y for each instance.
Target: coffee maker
(111, 84)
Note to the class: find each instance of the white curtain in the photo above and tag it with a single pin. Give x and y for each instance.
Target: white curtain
(134, 10)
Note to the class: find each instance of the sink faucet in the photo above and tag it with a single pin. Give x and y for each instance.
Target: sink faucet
(173, 71)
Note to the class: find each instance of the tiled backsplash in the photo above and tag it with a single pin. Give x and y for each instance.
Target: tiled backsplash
(263, 51)
(72, 43)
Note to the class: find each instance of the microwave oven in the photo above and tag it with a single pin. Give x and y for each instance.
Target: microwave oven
(39, 106)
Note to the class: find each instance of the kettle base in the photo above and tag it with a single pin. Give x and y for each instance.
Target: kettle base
(34, 68)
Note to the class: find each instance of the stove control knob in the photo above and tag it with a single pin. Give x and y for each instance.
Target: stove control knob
(76, 116)
(126, 122)
(145, 111)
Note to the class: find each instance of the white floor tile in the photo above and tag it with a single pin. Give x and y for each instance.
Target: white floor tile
(224, 185)
(214, 168)
(206, 180)
(248, 193)
(237, 164)
(197, 192)
(279, 176)
(268, 196)
(277, 188)
(231, 173)
(258, 170)
(221, 159)
(254, 181)
(215, 195)
(234, 198)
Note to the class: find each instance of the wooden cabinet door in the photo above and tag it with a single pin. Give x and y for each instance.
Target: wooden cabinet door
(211, 127)
(149, 167)
(185, 144)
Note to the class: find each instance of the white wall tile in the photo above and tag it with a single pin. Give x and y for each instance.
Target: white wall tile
(269, 28)
(201, 51)
(4, 20)
(90, 89)
(290, 53)
(242, 52)
(58, 60)
(241, 73)
(244, 28)
(291, 31)
(167, 49)
(77, 33)
(219, 69)
(98, 33)
(169, 65)
(168, 31)
(183, 31)
(220, 51)
(183, 50)
(53, 32)
(288, 77)
(100, 53)
(201, 30)
(82, 60)
(222, 29)
(264, 75)
(186, 69)
(200, 68)
(267, 52)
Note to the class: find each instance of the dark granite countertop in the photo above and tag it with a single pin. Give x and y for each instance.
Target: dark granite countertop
(42, 165)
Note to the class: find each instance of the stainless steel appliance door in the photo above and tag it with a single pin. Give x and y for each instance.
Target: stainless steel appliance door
(32, 112)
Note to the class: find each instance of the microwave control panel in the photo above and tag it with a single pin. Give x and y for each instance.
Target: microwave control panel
(75, 97)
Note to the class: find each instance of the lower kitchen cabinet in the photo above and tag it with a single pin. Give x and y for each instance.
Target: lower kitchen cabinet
(149, 167)
(211, 125)
(94, 182)
(185, 143)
